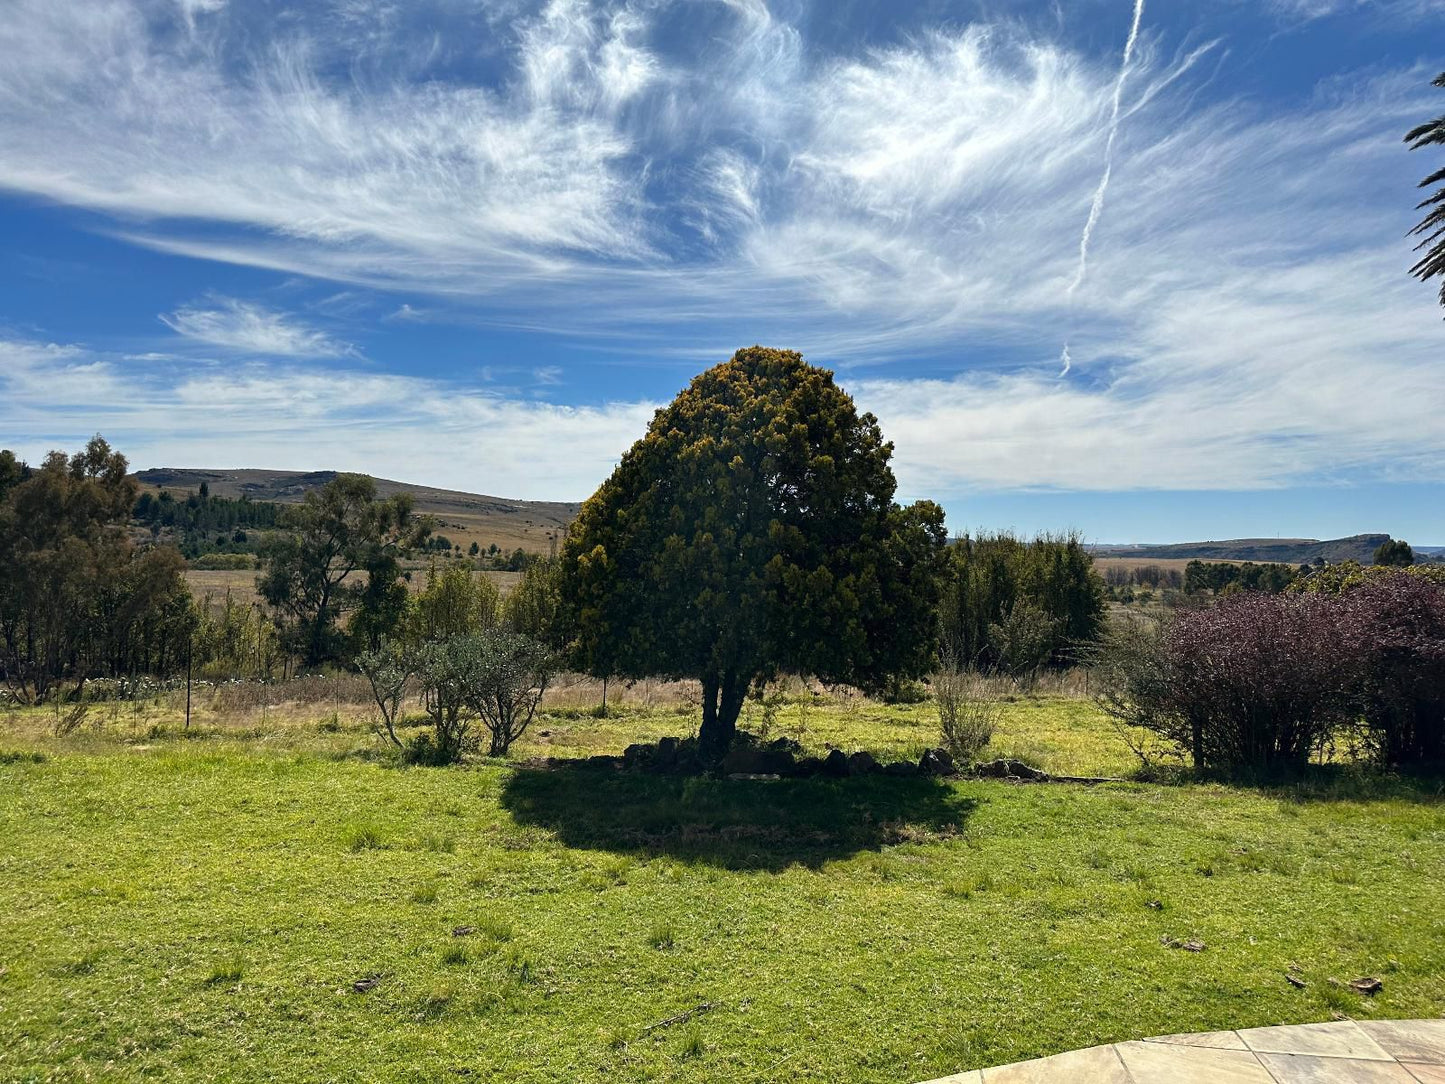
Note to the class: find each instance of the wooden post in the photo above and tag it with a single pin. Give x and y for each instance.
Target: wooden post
(190, 655)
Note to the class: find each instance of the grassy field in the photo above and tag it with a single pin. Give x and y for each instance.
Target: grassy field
(1128, 564)
(242, 584)
(201, 907)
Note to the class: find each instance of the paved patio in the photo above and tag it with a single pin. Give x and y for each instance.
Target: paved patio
(1368, 1051)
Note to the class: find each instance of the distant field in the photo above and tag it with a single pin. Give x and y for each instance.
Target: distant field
(242, 585)
(463, 518)
(1128, 564)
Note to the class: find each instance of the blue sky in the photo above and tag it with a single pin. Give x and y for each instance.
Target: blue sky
(475, 243)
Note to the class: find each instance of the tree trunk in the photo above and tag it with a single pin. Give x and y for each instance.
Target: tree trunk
(722, 702)
(708, 735)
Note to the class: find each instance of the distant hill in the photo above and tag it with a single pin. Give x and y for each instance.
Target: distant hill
(1293, 551)
(462, 517)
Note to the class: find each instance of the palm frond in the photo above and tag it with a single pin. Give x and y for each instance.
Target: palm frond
(1431, 228)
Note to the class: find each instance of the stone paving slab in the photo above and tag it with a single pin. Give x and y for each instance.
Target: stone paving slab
(1409, 1040)
(1339, 1039)
(1338, 1052)
(1308, 1069)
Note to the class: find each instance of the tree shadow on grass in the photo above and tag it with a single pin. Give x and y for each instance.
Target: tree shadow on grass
(733, 823)
(1315, 783)
(1323, 783)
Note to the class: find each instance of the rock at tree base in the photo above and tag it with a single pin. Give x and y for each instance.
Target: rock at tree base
(936, 762)
(636, 755)
(743, 760)
(1011, 769)
(861, 763)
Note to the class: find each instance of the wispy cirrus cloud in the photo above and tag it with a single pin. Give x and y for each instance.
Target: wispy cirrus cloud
(252, 329)
(603, 174)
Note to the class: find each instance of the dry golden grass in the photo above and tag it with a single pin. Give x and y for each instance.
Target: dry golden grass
(1057, 726)
(242, 584)
(1128, 564)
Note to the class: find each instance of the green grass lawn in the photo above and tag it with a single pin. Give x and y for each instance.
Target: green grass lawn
(201, 908)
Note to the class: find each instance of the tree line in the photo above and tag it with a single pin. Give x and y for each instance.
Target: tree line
(78, 600)
(751, 531)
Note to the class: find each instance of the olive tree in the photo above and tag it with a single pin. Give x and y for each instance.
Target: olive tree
(494, 676)
(387, 669)
(503, 678)
(753, 529)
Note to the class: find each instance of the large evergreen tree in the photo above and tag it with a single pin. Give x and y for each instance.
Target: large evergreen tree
(752, 530)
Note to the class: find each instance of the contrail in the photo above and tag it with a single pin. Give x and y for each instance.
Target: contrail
(1097, 207)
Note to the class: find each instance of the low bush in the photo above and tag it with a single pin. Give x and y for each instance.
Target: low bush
(1254, 681)
(228, 562)
(1396, 624)
(967, 714)
(1261, 681)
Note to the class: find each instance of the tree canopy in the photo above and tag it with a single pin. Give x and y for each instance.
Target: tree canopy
(1395, 553)
(1000, 591)
(751, 530)
(336, 531)
(77, 600)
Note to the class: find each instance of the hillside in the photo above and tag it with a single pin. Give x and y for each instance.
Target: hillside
(1359, 547)
(462, 517)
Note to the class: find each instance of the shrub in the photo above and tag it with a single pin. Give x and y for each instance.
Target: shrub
(387, 671)
(987, 575)
(231, 562)
(1024, 640)
(494, 676)
(1254, 681)
(966, 713)
(1396, 625)
(422, 750)
(1395, 553)
(503, 676)
(441, 668)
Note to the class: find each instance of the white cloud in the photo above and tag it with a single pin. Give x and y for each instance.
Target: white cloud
(1396, 10)
(1246, 320)
(252, 329)
(290, 416)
